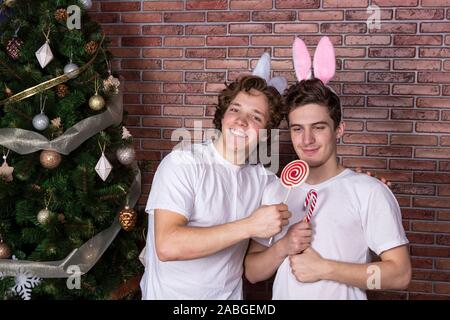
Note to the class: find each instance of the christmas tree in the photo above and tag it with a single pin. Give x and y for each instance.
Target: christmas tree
(68, 180)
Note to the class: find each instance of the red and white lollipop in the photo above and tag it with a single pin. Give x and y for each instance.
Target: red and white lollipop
(294, 174)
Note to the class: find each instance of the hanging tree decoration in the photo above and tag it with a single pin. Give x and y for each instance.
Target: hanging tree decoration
(71, 69)
(5, 170)
(13, 46)
(111, 84)
(103, 166)
(44, 216)
(5, 250)
(40, 121)
(44, 54)
(96, 102)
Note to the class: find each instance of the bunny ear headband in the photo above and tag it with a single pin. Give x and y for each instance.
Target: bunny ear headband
(262, 70)
(324, 60)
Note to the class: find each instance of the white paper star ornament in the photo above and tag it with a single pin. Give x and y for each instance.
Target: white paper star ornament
(44, 55)
(103, 167)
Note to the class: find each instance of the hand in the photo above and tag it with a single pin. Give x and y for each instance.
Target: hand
(298, 238)
(308, 266)
(267, 221)
(382, 179)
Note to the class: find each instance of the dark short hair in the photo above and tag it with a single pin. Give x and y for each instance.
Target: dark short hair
(313, 91)
(246, 83)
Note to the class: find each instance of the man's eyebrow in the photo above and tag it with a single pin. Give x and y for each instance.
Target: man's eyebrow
(313, 124)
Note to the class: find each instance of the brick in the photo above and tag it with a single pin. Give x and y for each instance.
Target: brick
(422, 263)
(396, 3)
(433, 153)
(445, 115)
(389, 101)
(131, 98)
(131, 86)
(184, 17)
(427, 251)
(417, 214)
(145, 133)
(434, 27)
(352, 101)
(385, 295)
(349, 150)
(226, 64)
(141, 64)
(206, 5)
(412, 165)
(443, 215)
(158, 144)
(444, 191)
(446, 90)
(443, 288)
(183, 87)
(389, 151)
(251, 28)
(420, 286)
(214, 87)
(250, 4)
(183, 111)
(417, 40)
(143, 110)
(443, 264)
(364, 163)
(105, 17)
(274, 16)
(391, 52)
(391, 77)
(205, 76)
(447, 65)
(162, 53)
(414, 115)
(163, 30)
(419, 238)
(343, 27)
(414, 140)
(140, 17)
(248, 52)
(206, 53)
(120, 6)
(434, 77)
(227, 41)
(392, 28)
(184, 41)
(365, 138)
(438, 227)
(320, 15)
(345, 4)
(419, 14)
(296, 28)
(367, 64)
(204, 123)
(141, 42)
(228, 16)
(161, 122)
(272, 40)
(389, 126)
(163, 5)
(131, 75)
(366, 89)
(184, 64)
(365, 113)
(206, 30)
(422, 296)
(364, 14)
(415, 89)
(445, 141)
(126, 52)
(428, 177)
(354, 126)
(417, 64)
(297, 4)
(433, 127)
(148, 155)
(434, 52)
(162, 98)
(367, 40)
(201, 100)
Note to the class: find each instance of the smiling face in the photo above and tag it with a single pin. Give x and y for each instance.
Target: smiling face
(247, 113)
(313, 135)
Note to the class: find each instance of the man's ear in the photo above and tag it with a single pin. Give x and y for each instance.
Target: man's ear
(340, 130)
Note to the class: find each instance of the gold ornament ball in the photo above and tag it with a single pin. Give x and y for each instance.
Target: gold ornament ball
(44, 216)
(127, 218)
(50, 159)
(5, 251)
(96, 102)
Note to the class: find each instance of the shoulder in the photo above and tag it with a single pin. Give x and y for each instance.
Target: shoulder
(185, 153)
(362, 183)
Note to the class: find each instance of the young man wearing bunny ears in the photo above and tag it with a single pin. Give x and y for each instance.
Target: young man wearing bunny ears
(354, 213)
(205, 201)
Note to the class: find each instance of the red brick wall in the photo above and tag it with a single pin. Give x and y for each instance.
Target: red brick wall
(394, 83)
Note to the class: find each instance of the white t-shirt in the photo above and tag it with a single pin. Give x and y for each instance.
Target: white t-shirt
(198, 183)
(353, 213)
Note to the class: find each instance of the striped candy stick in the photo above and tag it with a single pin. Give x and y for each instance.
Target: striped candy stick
(310, 201)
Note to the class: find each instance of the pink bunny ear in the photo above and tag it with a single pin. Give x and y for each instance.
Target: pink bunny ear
(324, 60)
(302, 60)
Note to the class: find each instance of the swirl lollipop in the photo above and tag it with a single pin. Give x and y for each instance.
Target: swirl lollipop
(294, 174)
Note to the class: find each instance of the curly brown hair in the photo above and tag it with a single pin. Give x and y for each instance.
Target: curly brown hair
(246, 83)
(313, 91)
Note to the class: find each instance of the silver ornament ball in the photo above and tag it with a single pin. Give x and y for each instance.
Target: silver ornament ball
(44, 216)
(87, 4)
(69, 68)
(40, 122)
(126, 155)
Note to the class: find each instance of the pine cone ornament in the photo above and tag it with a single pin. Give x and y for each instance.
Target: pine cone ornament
(13, 47)
(91, 47)
(127, 218)
(61, 90)
(61, 15)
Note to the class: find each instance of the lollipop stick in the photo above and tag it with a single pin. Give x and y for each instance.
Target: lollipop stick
(284, 201)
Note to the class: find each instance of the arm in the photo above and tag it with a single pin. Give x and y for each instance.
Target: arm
(175, 240)
(262, 262)
(392, 272)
